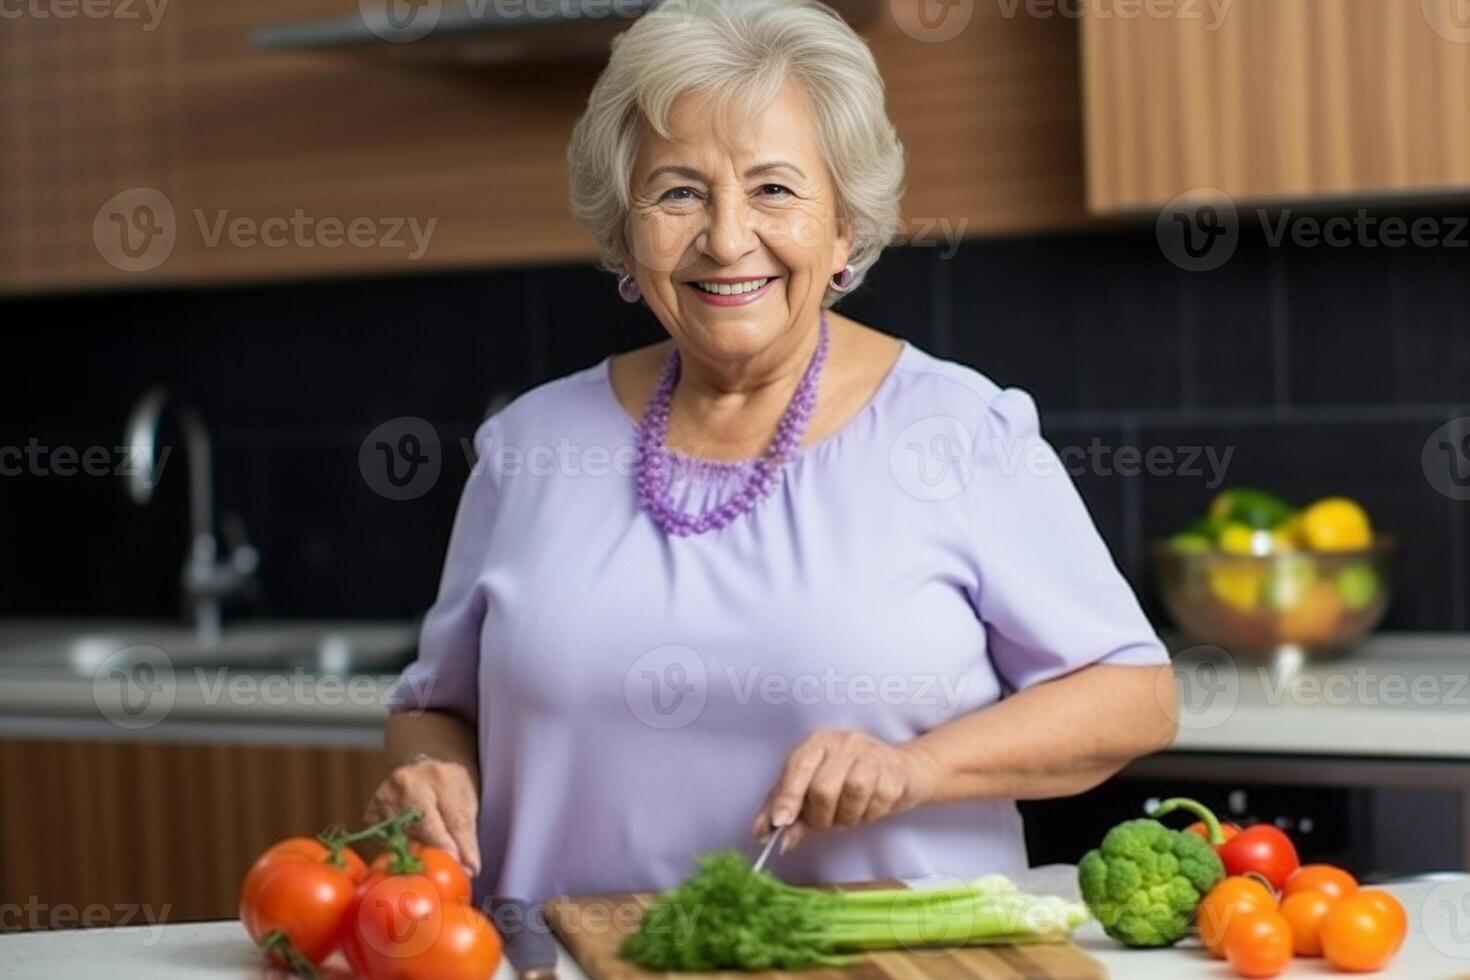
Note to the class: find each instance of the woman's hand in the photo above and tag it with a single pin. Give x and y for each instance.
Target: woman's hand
(445, 793)
(845, 779)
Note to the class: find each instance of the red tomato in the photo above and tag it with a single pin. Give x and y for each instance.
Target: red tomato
(1325, 878)
(1362, 932)
(444, 871)
(405, 930)
(1304, 911)
(302, 898)
(297, 849)
(1263, 849)
(1258, 943)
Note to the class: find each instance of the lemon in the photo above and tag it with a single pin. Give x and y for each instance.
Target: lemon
(1336, 524)
(1291, 578)
(1242, 539)
(1238, 585)
(1358, 586)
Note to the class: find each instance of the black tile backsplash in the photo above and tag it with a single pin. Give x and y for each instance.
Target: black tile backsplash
(1319, 370)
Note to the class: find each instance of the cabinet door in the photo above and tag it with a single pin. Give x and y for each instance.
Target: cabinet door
(96, 833)
(1274, 99)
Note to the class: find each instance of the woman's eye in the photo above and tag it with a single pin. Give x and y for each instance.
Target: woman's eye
(678, 194)
(774, 190)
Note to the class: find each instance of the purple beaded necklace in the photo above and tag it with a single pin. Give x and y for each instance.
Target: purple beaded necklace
(655, 470)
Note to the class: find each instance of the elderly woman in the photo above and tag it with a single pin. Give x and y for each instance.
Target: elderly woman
(781, 568)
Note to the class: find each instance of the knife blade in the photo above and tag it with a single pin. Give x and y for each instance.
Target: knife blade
(526, 935)
(771, 842)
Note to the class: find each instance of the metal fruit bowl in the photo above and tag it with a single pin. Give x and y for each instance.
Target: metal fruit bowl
(1289, 604)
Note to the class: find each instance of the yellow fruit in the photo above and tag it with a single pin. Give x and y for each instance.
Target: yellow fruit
(1240, 539)
(1238, 584)
(1336, 524)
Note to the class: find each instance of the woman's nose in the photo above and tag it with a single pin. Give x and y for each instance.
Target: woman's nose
(730, 234)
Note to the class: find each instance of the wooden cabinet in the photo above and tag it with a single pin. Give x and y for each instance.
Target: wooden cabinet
(94, 107)
(132, 831)
(1274, 99)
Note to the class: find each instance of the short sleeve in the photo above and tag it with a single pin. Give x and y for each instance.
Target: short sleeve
(1050, 595)
(445, 676)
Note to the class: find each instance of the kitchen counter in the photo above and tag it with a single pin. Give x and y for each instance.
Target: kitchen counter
(1399, 697)
(1437, 948)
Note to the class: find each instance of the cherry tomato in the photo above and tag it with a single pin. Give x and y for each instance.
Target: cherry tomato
(1326, 878)
(1261, 848)
(444, 871)
(1304, 910)
(303, 898)
(1362, 931)
(1226, 902)
(1227, 830)
(1258, 943)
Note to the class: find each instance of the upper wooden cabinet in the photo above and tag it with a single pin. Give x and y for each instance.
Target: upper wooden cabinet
(1274, 99)
(263, 160)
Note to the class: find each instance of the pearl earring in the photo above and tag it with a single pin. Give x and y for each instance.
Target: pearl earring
(629, 290)
(842, 282)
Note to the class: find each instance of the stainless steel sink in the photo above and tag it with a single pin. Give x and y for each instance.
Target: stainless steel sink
(346, 647)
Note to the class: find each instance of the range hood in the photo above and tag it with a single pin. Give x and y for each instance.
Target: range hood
(478, 32)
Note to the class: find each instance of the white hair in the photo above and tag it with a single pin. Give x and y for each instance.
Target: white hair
(741, 53)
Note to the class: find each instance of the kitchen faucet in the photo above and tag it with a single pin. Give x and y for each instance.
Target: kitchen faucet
(207, 581)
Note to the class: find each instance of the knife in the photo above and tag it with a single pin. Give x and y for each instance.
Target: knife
(526, 935)
(760, 862)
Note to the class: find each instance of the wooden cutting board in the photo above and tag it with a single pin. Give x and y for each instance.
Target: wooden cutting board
(591, 927)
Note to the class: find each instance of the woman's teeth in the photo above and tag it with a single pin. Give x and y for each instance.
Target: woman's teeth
(732, 288)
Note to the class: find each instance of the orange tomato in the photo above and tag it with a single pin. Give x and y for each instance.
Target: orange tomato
(1258, 943)
(1304, 910)
(1325, 878)
(1363, 931)
(1226, 902)
(296, 849)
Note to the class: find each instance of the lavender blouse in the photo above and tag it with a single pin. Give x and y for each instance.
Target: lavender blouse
(635, 694)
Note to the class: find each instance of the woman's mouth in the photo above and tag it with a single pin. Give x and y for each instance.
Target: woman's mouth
(731, 292)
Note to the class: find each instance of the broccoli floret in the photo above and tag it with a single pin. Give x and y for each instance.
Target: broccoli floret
(1145, 881)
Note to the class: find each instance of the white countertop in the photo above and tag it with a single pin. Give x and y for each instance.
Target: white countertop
(1437, 948)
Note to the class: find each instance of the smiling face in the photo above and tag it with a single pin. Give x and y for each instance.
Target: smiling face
(733, 230)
